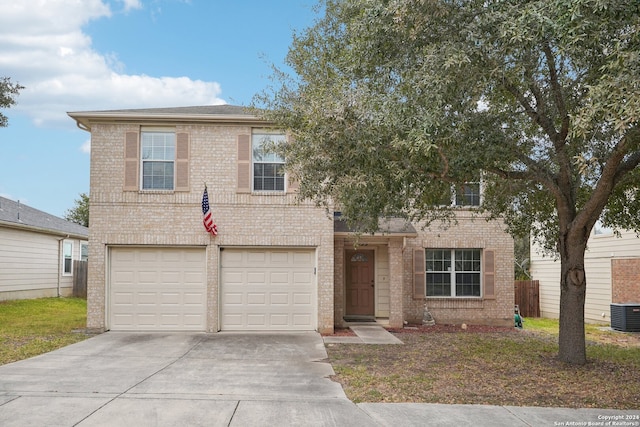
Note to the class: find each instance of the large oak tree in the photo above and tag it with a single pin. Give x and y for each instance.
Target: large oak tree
(393, 101)
(8, 92)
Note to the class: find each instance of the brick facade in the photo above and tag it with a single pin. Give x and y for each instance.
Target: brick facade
(175, 218)
(469, 232)
(625, 280)
(245, 219)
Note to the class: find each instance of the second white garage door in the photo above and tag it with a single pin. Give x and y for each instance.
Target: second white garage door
(268, 289)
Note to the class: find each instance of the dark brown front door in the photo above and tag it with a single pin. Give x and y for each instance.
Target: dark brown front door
(360, 283)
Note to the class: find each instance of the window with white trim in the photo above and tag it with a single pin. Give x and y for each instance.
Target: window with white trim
(84, 251)
(468, 194)
(268, 166)
(600, 230)
(67, 258)
(453, 272)
(158, 160)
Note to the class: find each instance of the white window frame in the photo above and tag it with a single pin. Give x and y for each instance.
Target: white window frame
(67, 256)
(600, 230)
(164, 133)
(258, 138)
(83, 251)
(452, 271)
(466, 185)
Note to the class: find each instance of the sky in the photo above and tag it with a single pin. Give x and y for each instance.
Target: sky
(86, 55)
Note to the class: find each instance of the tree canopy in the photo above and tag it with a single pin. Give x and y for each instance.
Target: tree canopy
(80, 211)
(392, 102)
(8, 92)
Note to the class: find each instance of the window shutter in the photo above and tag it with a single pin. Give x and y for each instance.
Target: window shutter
(182, 162)
(419, 277)
(244, 164)
(489, 274)
(292, 184)
(131, 162)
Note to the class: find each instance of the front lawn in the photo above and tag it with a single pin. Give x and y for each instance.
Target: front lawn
(495, 366)
(36, 326)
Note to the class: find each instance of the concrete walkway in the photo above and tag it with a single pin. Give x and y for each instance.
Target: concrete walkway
(225, 379)
(365, 334)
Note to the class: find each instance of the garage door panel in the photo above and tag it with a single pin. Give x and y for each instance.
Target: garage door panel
(232, 276)
(279, 277)
(279, 258)
(303, 258)
(301, 319)
(256, 298)
(256, 320)
(302, 299)
(157, 289)
(256, 277)
(193, 279)
(301, 277)
(193, 298)
(170, 298)
(264, 289)
(232, 299)
(279, 298)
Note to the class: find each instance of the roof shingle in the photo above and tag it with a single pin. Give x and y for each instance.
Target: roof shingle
(19, 214)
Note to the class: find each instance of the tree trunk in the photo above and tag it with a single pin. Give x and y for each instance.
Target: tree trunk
(571, 341)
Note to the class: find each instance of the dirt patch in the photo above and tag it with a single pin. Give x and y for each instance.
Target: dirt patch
(487, 365)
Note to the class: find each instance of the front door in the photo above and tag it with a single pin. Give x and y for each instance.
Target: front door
(360, 283)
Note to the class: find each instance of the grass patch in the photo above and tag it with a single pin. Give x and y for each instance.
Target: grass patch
(490, 366)
(32, 327)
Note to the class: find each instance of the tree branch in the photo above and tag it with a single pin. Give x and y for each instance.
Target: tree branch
(556, 89)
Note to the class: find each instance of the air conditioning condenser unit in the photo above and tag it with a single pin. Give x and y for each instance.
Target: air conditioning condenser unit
(625, 317)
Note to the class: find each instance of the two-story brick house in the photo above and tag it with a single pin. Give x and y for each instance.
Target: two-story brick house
(275, 263)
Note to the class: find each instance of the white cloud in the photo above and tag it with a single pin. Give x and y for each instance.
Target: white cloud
(131, 4)
(44, 48)
(86, 147)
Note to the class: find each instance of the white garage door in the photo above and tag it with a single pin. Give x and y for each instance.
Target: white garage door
(157, 289)
(268, 289)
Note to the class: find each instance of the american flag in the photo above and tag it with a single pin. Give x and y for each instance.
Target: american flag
(207, 220)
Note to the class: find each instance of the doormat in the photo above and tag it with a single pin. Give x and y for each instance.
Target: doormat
(359, 319)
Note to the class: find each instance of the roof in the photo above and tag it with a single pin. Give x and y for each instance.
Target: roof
(202, 113)
(386, 226)
(18, 215)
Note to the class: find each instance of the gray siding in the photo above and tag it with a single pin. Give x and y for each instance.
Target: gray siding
(30, 264)
(601, 250)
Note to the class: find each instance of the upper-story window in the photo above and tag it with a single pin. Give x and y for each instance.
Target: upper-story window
(268, 166)
(468, 194)
(158, 160)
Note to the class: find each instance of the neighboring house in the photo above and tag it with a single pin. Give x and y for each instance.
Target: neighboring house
(276, 263)
(37, 251)
(612, 270)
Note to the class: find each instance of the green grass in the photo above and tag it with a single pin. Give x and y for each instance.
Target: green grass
(32, 327)
(603, 344)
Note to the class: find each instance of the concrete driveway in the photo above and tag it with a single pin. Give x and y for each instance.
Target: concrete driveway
(182, 379)
(164, 379)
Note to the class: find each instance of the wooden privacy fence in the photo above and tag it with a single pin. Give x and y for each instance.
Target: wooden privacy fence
(527, 294)
(80, 279)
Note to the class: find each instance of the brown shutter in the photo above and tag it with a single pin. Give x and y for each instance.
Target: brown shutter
(419, 278)
(182, 162)
(489, 274)
(292, 184)
(244, 164)
(131, 162)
